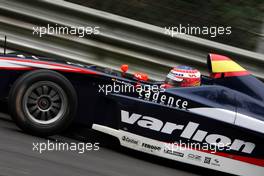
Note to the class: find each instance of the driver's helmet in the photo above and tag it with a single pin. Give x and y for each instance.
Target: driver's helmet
(183, 76)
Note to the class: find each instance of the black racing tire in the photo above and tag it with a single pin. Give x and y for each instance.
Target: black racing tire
(42, 102)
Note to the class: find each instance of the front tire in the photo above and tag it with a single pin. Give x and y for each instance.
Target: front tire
(43, 102)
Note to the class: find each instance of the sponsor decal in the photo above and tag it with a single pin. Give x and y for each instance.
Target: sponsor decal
(194, 157)
(121, 82)
(161, 98)
(130, 140)
(207, 160)
(172, 152)
(215, 162)
(151, 147)
(188, 131)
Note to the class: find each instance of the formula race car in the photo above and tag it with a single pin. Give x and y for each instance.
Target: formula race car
(218, 125)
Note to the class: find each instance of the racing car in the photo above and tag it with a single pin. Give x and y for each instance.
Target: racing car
(218, 125)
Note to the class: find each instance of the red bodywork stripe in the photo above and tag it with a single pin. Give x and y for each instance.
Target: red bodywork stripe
(16, 68)
(241, 73)
(230, 74)
(73, 69)
(255, 161)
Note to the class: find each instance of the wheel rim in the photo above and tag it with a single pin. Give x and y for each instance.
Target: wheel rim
(45, 102)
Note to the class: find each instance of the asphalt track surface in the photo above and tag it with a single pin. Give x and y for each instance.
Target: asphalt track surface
(17, 158)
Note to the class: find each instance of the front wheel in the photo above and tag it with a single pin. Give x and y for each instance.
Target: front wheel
(43, 102)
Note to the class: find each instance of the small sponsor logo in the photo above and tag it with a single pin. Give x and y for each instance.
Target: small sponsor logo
(163, 99)
(172, 152)
(195, 157)
(130, 140)
(207, 160)
(151, 147)
(215, 162)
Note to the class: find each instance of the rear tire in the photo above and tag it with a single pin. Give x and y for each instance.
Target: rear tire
(42, 102)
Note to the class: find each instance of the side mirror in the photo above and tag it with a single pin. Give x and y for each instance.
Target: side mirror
(124, 68)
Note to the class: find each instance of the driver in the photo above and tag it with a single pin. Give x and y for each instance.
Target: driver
(183, 76)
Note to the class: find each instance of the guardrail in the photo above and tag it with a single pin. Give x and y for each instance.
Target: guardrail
(143, 46)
